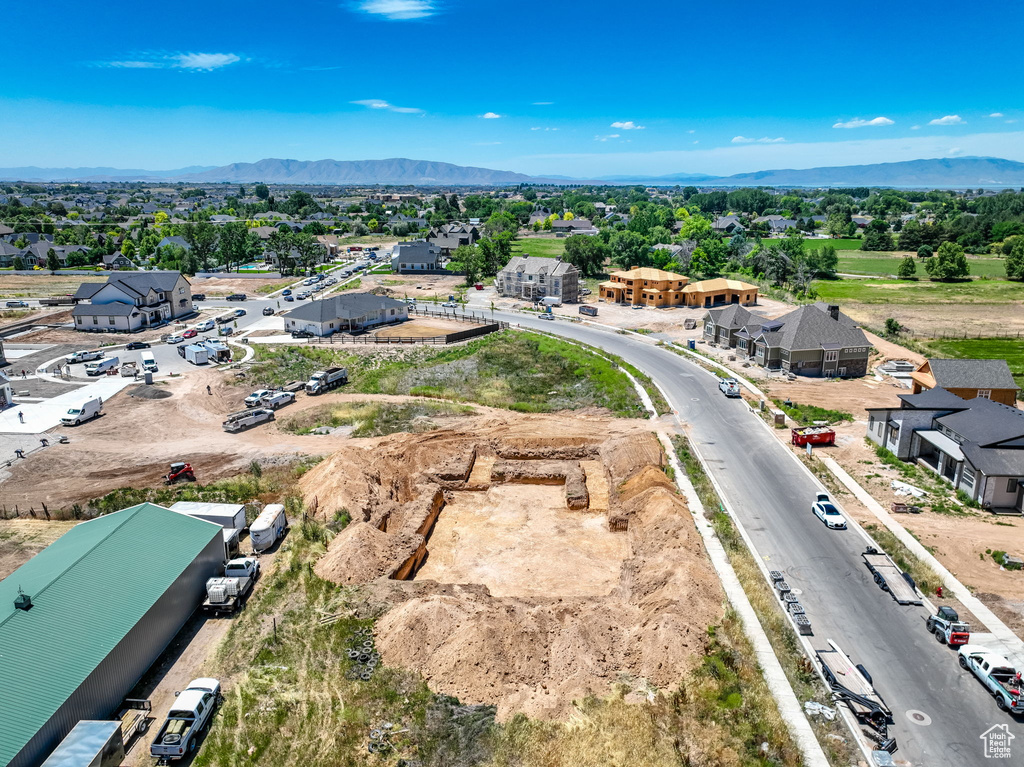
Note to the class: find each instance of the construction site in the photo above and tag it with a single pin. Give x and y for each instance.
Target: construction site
(555, 567)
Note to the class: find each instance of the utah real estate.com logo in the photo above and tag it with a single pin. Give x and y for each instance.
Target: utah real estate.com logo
(997, 741)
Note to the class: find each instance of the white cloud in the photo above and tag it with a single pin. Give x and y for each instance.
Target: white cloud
(954, 151)
(762, 140)
(915, 127)
(996, 114)
(382, 104)
(543, 103)
(627, 125)
(696, 142)
(539, 127)
(491, 116)
(609, 137)
(399, 10)
(857, 122)
(205, 62)
(947, 120)
(133, 64)
(1009, 122)
(691, 131)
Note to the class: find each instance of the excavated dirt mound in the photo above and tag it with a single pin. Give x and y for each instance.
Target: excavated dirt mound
(506, 588)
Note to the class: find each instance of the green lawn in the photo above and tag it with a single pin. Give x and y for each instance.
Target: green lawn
(886, 264)
(1009, 349)
(922, 291)
(843, 244)
(538, 247)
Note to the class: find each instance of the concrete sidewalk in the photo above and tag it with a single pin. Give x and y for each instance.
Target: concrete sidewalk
(43, 416)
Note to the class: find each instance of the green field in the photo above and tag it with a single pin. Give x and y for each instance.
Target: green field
(886, 264)
(1009, 349)
(538, 247)
(920, 292)
(843, 244)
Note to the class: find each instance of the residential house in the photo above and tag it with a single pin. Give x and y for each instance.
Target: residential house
(644, 285)
(415, 257)
(721, 326)
(977, 444)
(177, 239)
(536, 278)
(130, 301)
(989, 379)
(573, 226)
(349, 312)
(116, 261)
(709, 293)
(448, 237)
(813, 340)
(727, 225)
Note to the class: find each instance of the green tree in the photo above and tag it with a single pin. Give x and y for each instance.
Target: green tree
(925, 251)
(52, 262)
(709, 259)
(877, 236)
(586, 253)
(949, 263)
(629, 249)
(18, 263)
(695, 228)
(499, 223)
(202, 239)
(466, 259)
(907, 269)
(77, 259)
(237, 244)
(822, 262)
(281, 245)
(310, 251)
(1015, 262)
(892, 326)
(910, 236)
(262, 191)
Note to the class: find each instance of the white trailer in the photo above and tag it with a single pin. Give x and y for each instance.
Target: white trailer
(81, 413)
(268, 527)
(197, 354)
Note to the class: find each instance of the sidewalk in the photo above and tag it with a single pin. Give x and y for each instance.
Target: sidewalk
(45, 415)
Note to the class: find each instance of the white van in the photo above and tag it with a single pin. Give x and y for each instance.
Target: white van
(83, 412)
(100, 367)
(148, 362)
(268, 527)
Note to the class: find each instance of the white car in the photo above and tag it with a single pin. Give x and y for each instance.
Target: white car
(254, 399)
(202, 327)
(175, 339)
(729, 387)
(450, 305)
(825, 511)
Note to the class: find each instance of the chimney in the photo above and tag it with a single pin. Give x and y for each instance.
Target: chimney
(833, 311)
(23, 601)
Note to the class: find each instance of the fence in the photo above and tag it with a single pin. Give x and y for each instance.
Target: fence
(450, 338)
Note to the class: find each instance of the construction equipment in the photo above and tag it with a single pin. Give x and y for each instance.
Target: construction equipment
(853, 686)
(323, 380)
(890, 578)
(180, 472)
(948, 628)
(813, 435)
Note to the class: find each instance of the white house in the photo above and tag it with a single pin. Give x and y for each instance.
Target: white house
(131, 301)
(354, 311)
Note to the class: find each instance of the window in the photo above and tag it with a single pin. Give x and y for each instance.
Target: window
(111, 320)
(332, 325)
(78, 320)
(967, 478)
(181, 290)
(95, 320)
(832, 356)
(743, 343)
(1011, 485)
(985, 393)
(710, 328)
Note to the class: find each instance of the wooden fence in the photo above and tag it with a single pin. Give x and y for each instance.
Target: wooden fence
(450, 338)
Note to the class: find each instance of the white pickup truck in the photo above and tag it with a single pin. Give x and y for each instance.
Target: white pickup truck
(997, 674)
(227, 593)
(83, 356)
(189, 714)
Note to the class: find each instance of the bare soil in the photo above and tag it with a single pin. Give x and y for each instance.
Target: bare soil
(426, 327)
(504, 584)
(44, 285)
(224, 286)
(22, 539)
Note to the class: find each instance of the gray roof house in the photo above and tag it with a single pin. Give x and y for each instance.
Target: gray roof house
(177, 239)
(727, 224)
(990, 379)
(722, 325)
(813, 340)
(977, 445)
(349, 312)
(130, 301)
(416, 257)
(536, 278)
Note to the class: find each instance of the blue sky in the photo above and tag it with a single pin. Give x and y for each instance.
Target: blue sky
(579, 89)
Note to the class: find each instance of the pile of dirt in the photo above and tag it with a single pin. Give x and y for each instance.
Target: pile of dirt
(148, 392)
(554, 641)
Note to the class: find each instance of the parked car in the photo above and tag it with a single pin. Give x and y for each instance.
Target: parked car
(236, 297)
(286, 292)
(278, 399)
(224, 318)
(289, 298)
(17, 304)
(226, 330)
(547, 317)
(190, 333)
(256, 397)
(136, 345)
(729, 387)
(190, 712)
(825, 511)
(205, 325)
(198, 296)
(175, 339)
(239, 312)
(301, 334)
(450, 305)
(268, 311)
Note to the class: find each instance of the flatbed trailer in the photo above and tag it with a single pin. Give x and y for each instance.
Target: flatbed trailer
(890, 578)
(853, 685)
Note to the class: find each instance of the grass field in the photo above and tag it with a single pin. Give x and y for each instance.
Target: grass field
(886, 264)
(920, 292)
(536, 246)
(1009, 349)
(843, 244)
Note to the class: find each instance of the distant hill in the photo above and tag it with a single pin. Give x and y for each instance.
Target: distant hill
(938, 173)
(673, 178)
(392, 171)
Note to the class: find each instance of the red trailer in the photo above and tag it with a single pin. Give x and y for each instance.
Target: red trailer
(814, 435)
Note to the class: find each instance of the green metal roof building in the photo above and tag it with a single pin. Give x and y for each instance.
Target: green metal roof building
(84, 619)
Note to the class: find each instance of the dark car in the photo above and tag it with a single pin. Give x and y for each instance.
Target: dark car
(239, 312)
(267, 311)
(289, 298)
(136, 345)
(225, 318)
(236, 297)
(198, 296)
(286, 292)
(17, 304)
(301, 334)
(181, 351)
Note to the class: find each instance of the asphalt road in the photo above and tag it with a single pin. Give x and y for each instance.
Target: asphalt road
(771, 493)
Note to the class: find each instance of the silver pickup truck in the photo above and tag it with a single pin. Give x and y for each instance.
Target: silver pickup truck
(997, 674)
(189, 714)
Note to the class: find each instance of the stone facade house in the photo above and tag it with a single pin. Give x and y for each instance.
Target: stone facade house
(536, 278)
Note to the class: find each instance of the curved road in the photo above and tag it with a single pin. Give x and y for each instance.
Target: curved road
(771, 494)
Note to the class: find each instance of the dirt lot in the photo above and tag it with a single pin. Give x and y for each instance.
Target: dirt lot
(497, 546)
(22, 539)
(425, 327)
(413, 285)
(225, 286)
(93, 340)
(44, 285)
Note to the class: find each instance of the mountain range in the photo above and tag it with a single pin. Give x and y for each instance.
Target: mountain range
(957, 172)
